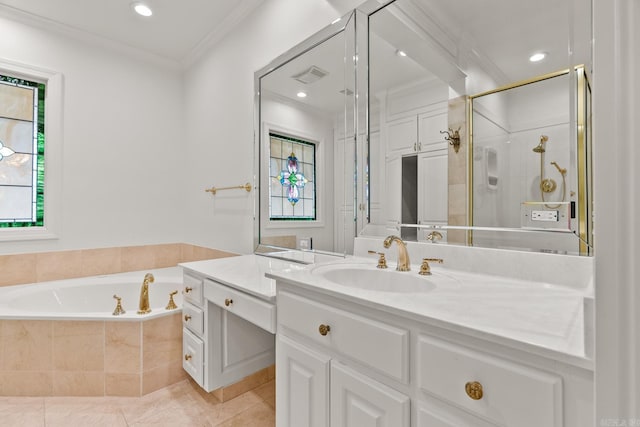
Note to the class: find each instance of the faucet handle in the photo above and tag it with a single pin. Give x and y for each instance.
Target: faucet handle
(382, 261)
(118, 310)
(171, 305)
(434, 236)
(425, 269)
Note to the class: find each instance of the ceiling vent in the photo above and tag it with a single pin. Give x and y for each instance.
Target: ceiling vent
(310, 75)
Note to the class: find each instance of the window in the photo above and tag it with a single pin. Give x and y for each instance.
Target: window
(21, 152)
(292, 170)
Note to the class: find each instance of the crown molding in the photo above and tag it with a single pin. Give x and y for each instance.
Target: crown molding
(239, 13)
(84, 36)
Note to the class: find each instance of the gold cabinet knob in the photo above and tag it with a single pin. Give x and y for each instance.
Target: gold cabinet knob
(187, 317)
(324, 329)
(228, 302)
(188, 289)
(474, 390)
(187, 357)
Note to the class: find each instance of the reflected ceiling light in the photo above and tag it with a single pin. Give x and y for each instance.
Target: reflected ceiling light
(301, 94)
(335, 21)
(538, 56)
(141, 9)
(401, 53)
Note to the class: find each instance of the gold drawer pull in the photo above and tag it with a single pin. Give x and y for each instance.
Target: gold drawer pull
(187, 317)
(474, 390)
(188, 289)
(187, 357)
(228, 302)
(324, 329)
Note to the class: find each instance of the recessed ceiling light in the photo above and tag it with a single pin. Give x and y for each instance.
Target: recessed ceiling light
(301, 94)
(142, 9)
(538, 56)
(401, 53)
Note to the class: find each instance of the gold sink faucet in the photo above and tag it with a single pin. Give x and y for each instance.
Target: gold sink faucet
(403, 256)
(144, 308)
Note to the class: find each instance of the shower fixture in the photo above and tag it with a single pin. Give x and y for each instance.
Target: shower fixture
(548, 185)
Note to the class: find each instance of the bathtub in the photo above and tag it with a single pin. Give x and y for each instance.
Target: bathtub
(60, 338)
(91, 298)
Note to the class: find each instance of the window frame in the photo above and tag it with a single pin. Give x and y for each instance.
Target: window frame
(53, 151)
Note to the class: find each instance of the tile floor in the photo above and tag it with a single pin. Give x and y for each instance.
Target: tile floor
(181, 404)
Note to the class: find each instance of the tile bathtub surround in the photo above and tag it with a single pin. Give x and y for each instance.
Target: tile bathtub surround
(89, 358)
(180, 404)
(40, 267)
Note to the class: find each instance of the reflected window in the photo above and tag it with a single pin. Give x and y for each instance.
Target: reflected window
(292, 170)
(21, 152)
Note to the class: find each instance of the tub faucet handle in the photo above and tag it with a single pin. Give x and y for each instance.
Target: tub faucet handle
(172, 304)
(119, 310)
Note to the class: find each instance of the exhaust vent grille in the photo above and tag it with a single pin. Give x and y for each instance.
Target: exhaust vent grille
(310, 75)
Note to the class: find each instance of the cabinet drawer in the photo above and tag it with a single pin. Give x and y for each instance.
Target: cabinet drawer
(192, 289)
(193, 318)
(193, 356)
(511, 394)
(383, 347)
(256, 311)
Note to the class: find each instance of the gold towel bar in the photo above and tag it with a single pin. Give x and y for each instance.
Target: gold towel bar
(213, 190)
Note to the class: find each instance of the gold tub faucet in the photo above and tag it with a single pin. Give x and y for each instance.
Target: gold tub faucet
(403, 255)
(144, 308)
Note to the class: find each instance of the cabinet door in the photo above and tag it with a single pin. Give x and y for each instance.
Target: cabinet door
(402, 135)
(429, 127)
(433, 204)
(302, 385)
(359, 401)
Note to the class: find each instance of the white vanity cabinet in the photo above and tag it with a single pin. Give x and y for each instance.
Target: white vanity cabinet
(227, 333)
(350, 363)
(316, 382)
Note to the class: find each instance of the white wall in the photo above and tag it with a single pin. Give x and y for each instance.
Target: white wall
(123, 146)
(219, 108)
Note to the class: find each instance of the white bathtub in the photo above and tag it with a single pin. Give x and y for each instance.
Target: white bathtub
(91, 298)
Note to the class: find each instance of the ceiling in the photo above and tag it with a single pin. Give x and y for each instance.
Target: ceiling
(177, 31)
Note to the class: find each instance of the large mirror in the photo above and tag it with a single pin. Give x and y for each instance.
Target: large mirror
(479, 123)
(305, 145)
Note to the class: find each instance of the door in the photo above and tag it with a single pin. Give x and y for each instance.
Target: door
(302, 385)
(359, 401)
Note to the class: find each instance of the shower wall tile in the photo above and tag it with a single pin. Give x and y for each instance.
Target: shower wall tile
(26, 345)
(58, 265)
(162, 341)
(38, 267)
(122, 384)
(100, 261)
(17, 269)
(26, 383)
(78, 383)
(162, 376)
(123, 347)
(78, 346)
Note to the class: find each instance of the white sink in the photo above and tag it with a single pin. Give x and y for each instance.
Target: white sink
(366, 277)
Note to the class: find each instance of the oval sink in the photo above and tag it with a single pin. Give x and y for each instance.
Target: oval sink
(373, 279)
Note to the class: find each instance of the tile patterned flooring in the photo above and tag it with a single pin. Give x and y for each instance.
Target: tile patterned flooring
(181, 404)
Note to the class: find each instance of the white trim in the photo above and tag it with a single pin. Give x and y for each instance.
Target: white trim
(53, 152)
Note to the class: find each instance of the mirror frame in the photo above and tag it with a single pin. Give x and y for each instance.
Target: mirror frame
(336, 27)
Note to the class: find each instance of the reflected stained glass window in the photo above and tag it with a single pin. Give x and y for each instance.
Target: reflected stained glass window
(21, 152)
(292, 170)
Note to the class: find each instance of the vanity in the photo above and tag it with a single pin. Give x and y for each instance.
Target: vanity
(361, 346)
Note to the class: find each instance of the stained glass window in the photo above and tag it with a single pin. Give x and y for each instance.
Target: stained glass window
(21, 152)
(292, 171)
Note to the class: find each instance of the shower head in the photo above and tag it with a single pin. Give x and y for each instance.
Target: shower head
(540, 147)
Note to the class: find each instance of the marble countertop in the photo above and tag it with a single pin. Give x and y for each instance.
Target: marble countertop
(533, 316)
(247, 272)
